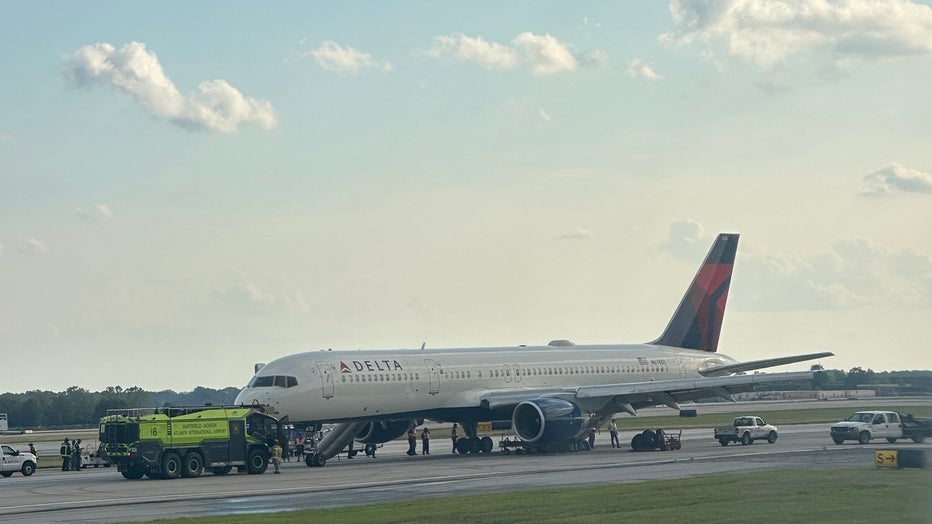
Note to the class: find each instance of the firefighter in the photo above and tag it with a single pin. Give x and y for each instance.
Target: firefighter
(65, 453)
(277, 456)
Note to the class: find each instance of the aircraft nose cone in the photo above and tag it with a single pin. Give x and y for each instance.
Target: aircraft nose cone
(244, 397)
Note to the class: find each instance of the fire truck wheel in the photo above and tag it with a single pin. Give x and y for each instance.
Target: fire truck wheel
(257, 462)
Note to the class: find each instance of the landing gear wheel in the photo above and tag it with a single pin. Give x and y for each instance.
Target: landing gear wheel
(636, 442)
(257, 462)
(462, 446)
(319, 461)
(487, 444)
(221, 470)
(193, 465)
(475, 445)
(171, 465)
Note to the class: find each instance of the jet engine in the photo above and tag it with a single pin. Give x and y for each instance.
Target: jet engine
(546, 420)
(380, 431)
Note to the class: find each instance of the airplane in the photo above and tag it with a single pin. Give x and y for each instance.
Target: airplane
(552, 394)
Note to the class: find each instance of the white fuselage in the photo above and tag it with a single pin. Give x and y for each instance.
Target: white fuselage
(334, 386)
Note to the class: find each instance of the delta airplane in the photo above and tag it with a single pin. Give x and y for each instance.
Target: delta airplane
(552, 394)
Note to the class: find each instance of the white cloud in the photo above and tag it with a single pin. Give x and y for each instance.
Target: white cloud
(852, 274)
(335, 57)
(136, 71)
(249, 297)
(544, 54)
(33, 246)
(686, 240)
(528, 111)
(638, 68)
(489, 55)
(596, 58)
(766, 32)
(576, 234)
(97, 213)
(896, 178)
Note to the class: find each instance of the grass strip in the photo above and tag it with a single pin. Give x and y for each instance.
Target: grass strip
(843, 495)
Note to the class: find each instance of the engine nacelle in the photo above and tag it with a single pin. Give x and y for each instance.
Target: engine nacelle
(381, 431)
(546, 420)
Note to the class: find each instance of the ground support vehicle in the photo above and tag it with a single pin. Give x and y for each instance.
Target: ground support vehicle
(14, 460)
(650, 440)
(746, 429)
(95, 457)
(509, 445)
(865, 426)
(182, 442)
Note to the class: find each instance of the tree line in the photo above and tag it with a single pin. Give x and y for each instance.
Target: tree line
(77, 406)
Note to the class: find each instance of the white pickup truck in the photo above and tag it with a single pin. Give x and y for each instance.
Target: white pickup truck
(14, 460)
(746, 430)
(866, 425)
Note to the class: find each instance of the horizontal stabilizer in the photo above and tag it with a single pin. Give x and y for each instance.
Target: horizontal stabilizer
(751, 365)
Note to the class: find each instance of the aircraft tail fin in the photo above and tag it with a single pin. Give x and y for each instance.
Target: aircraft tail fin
(697, 322)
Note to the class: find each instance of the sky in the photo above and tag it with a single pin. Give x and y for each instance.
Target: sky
(189, 188)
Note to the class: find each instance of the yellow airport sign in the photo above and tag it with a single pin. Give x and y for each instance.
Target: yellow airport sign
(885, 458)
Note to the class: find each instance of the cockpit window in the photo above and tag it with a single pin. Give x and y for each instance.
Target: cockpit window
(280, 381)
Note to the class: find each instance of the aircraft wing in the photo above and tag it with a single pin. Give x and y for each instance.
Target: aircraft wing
(640, 394)
(751, 365)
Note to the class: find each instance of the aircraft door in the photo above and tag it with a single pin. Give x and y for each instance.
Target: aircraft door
(517, 369)
(506, 372)
(326, 379)
(433, 376)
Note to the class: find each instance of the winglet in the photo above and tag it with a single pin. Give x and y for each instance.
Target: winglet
(697, 322)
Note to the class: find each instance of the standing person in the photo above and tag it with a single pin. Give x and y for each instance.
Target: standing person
(591, 438)
(277, 456)
(76, 455)
(412, 441)
(299, 446)
(425, 441)
(32, 449)
(454, 437)
(613, 431)
(65, 453)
